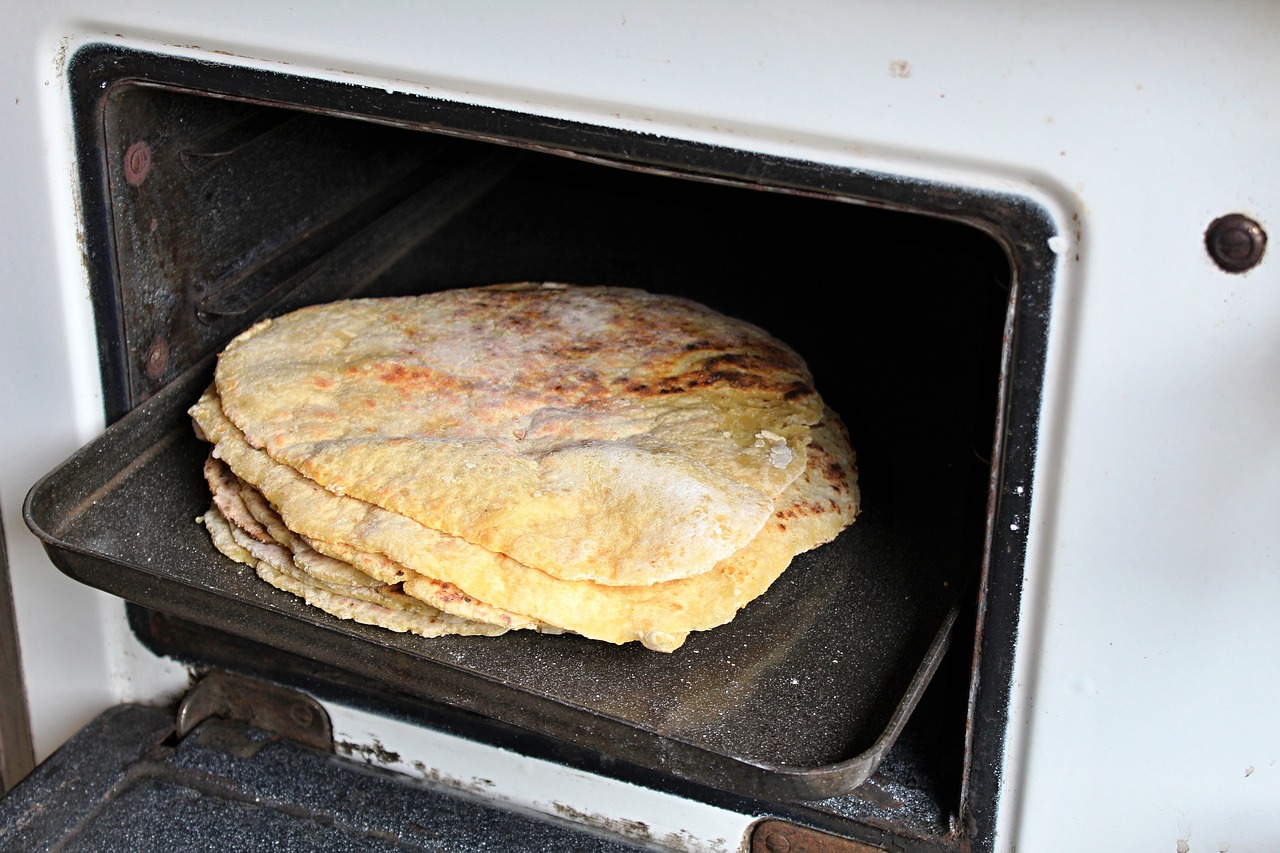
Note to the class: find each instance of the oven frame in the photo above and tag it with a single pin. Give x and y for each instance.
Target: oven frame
(1021, 225)
(1140, 711)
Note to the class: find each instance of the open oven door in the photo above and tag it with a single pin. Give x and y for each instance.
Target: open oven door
(247, 765)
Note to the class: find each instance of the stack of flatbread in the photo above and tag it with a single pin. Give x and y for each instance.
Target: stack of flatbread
(604, 461)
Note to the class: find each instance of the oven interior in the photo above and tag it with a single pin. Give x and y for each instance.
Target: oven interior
(214, 197)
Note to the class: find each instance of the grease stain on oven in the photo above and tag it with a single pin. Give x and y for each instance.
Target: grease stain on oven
(372, 753)
(478, 786)
(640, 831)
(375, 754)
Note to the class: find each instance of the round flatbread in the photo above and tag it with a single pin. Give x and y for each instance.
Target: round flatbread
(596, 434)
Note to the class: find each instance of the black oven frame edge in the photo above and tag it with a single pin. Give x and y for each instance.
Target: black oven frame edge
(1019, 224)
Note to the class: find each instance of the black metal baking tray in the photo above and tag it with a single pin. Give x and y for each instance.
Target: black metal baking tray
(798, 698)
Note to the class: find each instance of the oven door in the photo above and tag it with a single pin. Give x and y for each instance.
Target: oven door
(247, 765)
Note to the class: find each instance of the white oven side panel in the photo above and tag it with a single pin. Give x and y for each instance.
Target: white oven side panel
(48, 386)
(1143, 713)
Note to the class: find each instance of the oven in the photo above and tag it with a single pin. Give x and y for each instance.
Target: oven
(1023, 252)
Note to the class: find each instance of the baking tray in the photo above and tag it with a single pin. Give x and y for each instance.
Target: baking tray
(799, 698)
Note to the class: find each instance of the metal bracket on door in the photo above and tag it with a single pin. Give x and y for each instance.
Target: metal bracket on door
(779, 836)
(261, 704)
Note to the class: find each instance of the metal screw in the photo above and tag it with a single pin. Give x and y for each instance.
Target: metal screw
(137, 163)
(776, 842)
(301, 714)
(1235, 242)
(157, 358)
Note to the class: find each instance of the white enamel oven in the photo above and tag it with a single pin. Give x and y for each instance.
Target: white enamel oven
(1023, 249)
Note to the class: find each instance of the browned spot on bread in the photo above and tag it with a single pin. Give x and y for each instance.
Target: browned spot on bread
(404, 374)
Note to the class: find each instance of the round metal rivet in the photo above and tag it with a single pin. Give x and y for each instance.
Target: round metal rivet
(157, 358)
(1235, 242)
(301, 714)
(137, 163)
(776, 842)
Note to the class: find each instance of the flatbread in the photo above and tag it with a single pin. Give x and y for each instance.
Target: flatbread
(369, 606)
(439, 594)
(337, 569)
(595, 434)
(245, 510)
(811, 511)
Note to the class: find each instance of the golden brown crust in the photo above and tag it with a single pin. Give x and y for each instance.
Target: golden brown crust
(601, 434)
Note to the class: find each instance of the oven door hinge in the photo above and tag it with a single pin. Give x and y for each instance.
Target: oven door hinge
(779, 836)
(262, 704)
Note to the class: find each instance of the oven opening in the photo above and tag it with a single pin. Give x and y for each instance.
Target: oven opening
(214, 197)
